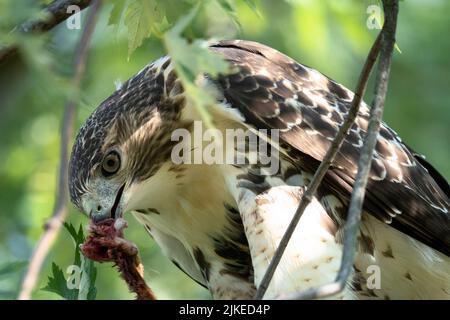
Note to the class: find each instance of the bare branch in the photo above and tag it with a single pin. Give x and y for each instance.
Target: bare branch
(55, 13)
(351, 226)
(321, 171)
(53, 226)
(324, 165)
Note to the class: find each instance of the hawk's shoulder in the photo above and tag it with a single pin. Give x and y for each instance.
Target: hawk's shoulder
(272, 91)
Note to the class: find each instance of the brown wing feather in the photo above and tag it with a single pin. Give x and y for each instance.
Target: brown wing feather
(273, 91)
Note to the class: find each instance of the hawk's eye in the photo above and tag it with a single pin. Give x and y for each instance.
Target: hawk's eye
(111, 163)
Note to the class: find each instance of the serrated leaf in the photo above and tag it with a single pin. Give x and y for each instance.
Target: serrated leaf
(173, 9)
(229, 8)
(92, 293)
(184, 21)
(138, 25)
(195, 57)
(78, 238)
(87, 290)
(159, 29)
(57, 283)
(227, 5)
(191, 60)
(140, 17)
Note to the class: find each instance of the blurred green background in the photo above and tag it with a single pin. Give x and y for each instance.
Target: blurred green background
(330, 36)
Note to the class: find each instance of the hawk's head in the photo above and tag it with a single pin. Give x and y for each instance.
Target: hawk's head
(122, 145)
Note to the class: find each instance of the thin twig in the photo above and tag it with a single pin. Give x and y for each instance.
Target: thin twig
(54, 13)
(351, 226)
(323, 167)
(53, 225)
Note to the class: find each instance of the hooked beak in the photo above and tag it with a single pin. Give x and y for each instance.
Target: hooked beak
(99, 213)
(115, 213)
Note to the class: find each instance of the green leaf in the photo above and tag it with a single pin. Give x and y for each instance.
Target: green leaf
(87, 290)
(57, 283)
(229, 8)
(78, 238)
(191, 60)
(252, 5)
(141, 16)
(117, 12)
(173, 9)
(13, 267)
(184, 21)
(195, 57)
(92, 271)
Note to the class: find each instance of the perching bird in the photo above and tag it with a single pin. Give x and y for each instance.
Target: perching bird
(221, 223)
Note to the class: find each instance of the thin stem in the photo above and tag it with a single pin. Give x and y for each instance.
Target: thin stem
(53, 225)
(351, 226)
(323, 167)
(55, 13)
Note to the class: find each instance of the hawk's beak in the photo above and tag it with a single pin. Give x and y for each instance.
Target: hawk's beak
(115, 213)
(101, 212)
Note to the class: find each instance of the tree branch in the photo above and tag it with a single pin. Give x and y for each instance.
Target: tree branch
(324, 165)
(352, 223)
(53, 225)
(55, 13)
(351, 226)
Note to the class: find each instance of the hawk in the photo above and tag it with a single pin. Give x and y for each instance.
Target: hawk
(221, 223)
